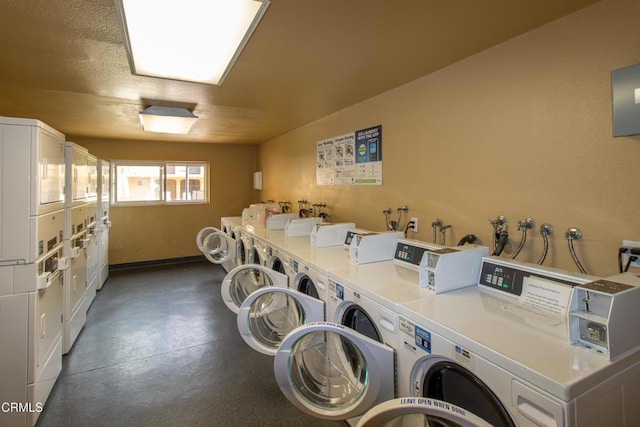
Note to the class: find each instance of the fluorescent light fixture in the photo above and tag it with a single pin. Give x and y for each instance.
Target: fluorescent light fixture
(167, 120)
(190, 40)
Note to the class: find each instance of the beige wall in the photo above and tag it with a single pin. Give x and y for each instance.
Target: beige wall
(164, 232)
(520, 130)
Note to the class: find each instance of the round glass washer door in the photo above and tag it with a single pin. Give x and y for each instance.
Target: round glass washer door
(416, 412)
(332, 372)
(202, 234)
(219, 248)
(243, 280)
(269, 314)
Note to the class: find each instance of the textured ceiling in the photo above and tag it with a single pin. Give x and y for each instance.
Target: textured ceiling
(64, 63)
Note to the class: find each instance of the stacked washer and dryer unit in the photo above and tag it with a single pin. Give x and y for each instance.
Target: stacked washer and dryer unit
(80, 242)
(49, 258)
(32, 266)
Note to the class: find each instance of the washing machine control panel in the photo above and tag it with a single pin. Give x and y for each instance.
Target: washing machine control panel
(409, 254)
(510, 279)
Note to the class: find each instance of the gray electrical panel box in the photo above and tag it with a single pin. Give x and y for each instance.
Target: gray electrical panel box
(625, 85)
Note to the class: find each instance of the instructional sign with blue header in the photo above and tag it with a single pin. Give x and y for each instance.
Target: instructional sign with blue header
(353, 158)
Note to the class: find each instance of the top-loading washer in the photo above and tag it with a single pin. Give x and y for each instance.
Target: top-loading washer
(507, 357)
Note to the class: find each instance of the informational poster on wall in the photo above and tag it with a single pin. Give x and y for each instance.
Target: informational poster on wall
(369, 156)
(351, 159)
(325, 162)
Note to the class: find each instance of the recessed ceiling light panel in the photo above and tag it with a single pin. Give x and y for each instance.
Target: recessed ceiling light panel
(191, 40)
(167, 120)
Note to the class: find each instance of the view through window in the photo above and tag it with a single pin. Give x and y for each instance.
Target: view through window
(160, 182)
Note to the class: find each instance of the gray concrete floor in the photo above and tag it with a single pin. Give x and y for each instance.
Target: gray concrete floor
(160, 348)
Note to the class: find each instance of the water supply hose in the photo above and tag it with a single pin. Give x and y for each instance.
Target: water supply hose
(571, 235)
(545, 230)
(522, 242)
(468, 239)
(503, 238)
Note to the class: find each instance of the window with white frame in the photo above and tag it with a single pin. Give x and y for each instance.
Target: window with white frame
(149, 183)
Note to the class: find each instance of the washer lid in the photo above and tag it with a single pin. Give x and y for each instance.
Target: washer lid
(420, 411)
(269, 314)
(332, 372)
(218, 247)
(240, 282)
(202, 234)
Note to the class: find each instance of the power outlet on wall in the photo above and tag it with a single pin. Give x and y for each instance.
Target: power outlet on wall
(413, 224)
(626, 255)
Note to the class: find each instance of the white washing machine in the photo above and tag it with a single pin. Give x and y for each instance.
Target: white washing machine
(280, 261)
(268, 314)
(260, 251)
(489, 352)
(241, 251)
(341, 368)
(228, 223)
(251, 253)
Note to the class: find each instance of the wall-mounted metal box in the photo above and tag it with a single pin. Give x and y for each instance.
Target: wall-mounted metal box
(625, 84)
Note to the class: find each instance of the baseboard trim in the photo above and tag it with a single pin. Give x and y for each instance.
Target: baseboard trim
(156, 262)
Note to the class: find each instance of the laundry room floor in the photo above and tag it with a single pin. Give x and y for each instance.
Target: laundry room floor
(160, 348)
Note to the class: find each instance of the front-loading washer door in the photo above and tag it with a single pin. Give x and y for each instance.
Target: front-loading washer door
(269, 314)
(441, 378)
(329, 371)
(243, 280)
(219, 248)
(202, 234)
(413, 411)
